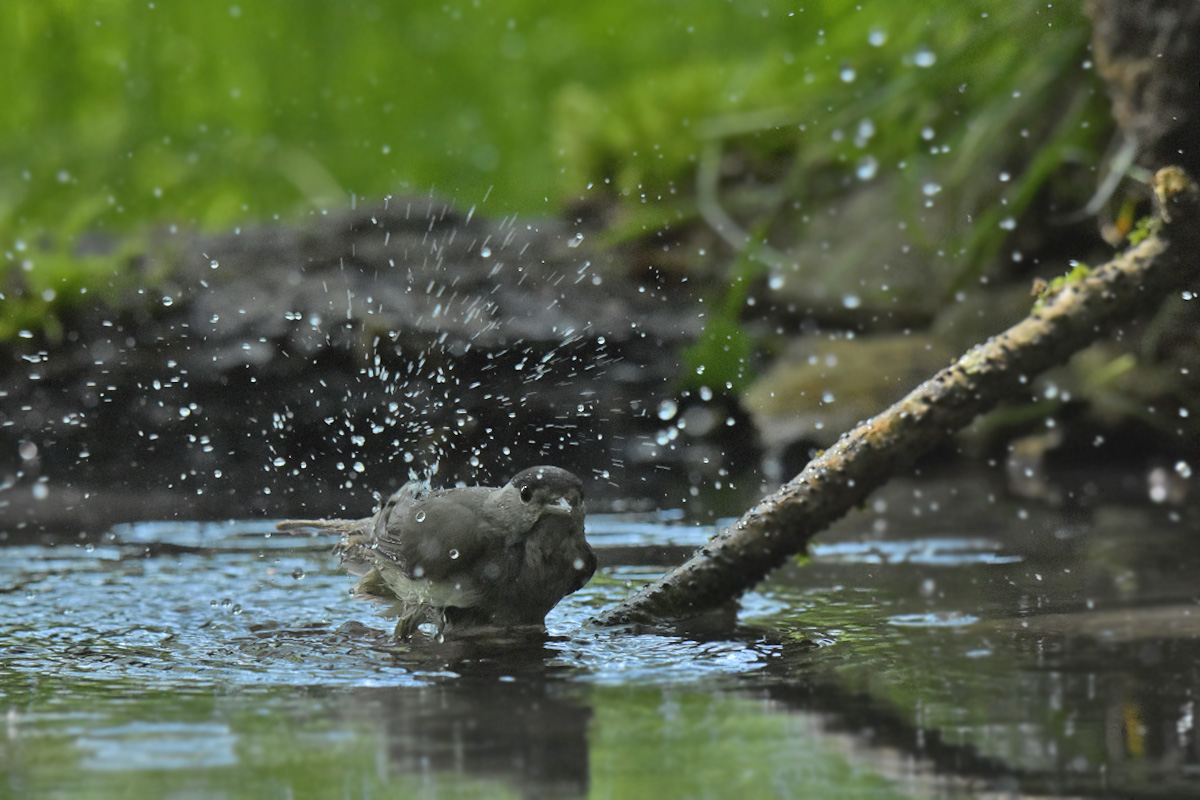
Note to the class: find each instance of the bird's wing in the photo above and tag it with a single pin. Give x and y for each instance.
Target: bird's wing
(440, 533)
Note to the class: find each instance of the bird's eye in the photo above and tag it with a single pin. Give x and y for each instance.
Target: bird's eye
(526, 494)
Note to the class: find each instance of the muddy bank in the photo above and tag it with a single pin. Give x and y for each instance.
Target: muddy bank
(299, 369)
(284, 369)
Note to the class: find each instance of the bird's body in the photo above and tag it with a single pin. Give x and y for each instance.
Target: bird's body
(470, 556)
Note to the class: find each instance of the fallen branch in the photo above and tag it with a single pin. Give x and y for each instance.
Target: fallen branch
(1067, 319)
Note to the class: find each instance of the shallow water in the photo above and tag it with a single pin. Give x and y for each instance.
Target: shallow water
(944, 642)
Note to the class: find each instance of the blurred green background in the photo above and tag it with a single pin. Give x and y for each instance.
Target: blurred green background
(123, 115)
(209, 113)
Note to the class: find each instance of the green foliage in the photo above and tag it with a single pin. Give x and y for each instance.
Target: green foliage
(43, 284)
(127, 115)
(956, 114)
(211, 114)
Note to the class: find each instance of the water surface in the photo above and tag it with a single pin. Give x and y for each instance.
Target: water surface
(945, 641)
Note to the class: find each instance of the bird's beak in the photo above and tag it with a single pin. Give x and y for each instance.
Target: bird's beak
(560, 506)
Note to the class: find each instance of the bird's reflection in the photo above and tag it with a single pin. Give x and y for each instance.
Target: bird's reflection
(496, 708)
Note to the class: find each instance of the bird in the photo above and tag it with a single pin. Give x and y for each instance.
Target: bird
(469, 557)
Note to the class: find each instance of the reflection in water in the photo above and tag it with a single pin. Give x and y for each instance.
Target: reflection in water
(158, 745)
(988, 647)
(530, 734)
(499, 708)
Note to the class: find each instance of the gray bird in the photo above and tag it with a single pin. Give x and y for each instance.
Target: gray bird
(472, 556)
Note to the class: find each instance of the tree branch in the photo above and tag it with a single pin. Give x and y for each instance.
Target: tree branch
(1071, 317)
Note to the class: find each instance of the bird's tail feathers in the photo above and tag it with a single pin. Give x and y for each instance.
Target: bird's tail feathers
(354, 545)
(339, 526)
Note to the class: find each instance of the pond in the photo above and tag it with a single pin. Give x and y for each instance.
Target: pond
(948, 640)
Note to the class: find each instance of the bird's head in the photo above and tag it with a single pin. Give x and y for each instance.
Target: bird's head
(542, 491)
(551, 488)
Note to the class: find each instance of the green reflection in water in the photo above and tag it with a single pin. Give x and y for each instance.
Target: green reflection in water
(101, 740)
(655, 743)
(110, 740)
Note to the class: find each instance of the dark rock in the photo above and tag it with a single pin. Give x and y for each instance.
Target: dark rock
(284, 370)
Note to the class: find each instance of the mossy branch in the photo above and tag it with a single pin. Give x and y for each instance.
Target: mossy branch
(1076, 314)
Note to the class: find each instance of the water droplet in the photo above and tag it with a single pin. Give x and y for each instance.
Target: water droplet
(867, 168)
(1008, 223)
(418, 572)
(214, 264)
(851, 301)
(279, 461)
(930, 189)
(847, 74)
(1183, 469)
(420, 517)
(866, 130)
(876, 37)
(667, 409)
(453, 553)
(297, 573)
(577, 563)
(776, 281)
(575, 241)
(924, 58)
(485, 252)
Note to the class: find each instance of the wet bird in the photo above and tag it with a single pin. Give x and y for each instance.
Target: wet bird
(469, 557)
